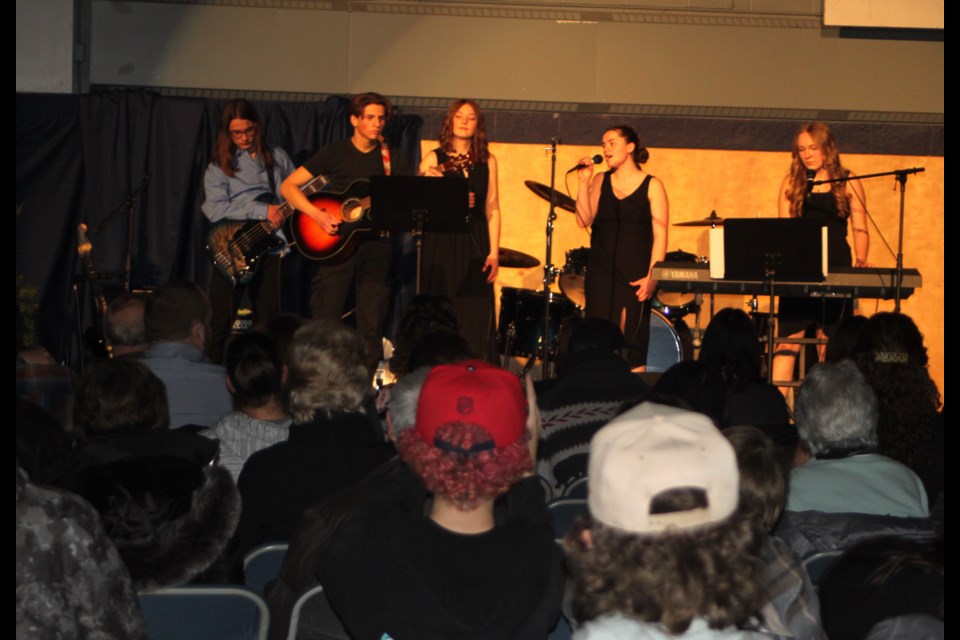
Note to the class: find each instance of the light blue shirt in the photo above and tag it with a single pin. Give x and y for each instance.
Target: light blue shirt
(235, 197)
(196, 388)
(868, 483)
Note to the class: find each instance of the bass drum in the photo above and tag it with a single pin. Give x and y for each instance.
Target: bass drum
(574, 275)
(520, 329)
(665, 348)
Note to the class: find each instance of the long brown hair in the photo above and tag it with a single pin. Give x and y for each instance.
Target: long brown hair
(223, 147)
(478, 145)
(796, 190)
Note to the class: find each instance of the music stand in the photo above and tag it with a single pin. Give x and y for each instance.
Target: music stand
(419, 204)
(771, 249)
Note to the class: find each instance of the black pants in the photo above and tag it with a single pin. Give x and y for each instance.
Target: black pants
(367, 272)
(225, 300)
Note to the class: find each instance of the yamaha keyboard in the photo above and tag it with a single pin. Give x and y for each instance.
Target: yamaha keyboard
(843, 282)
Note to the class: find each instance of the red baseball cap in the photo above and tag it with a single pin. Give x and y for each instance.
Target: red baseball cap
(473, 392)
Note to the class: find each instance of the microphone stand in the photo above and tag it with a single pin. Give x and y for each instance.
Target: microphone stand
(901, 176)
(127, 206)
(549, 270)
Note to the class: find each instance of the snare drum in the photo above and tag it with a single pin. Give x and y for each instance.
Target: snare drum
(520, 329)
(574, 275)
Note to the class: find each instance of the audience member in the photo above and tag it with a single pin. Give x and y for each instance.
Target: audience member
(593, 384)
(177, 321)
(894, 360)
(791, 608)
(255, 377)
(124, 326)
(424, 313)
(456, 561)
(837, 419)
(332, 442)
(70, 581)
(881, 579)
(665, 553)
(731, 345)
(281, 329)
(169, 512)
(692, 385)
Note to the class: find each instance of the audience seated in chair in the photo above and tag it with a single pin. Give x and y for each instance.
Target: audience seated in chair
(595, 381)
(124, 326)
(177, 321)
(255, 378)
(841, 470)
(791, 608)
(332, 442)
(453, 560)
(168, 510)
(70, 581)
(665, 553)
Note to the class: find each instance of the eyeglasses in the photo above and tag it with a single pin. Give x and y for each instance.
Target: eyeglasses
(249, 132)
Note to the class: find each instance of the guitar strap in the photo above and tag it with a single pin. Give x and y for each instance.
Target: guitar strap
(273, 185)
(385, 152)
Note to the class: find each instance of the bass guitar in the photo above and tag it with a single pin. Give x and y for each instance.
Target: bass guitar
(237, 246)
(351, 208)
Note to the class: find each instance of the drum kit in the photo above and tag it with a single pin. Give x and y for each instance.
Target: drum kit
(521, 323)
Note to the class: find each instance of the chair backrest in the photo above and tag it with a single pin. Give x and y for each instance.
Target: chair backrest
(314, 619)
(577, 489)
(820, 562)
(564, 512)
(262, 564)
(204, 612)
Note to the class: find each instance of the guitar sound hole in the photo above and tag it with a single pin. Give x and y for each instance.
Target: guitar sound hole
(351, 210)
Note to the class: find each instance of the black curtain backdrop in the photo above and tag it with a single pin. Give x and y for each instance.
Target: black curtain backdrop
(79, 158)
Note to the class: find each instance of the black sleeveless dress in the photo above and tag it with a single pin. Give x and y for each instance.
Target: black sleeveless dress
(453, 266)
(799, 314)
(621, 243)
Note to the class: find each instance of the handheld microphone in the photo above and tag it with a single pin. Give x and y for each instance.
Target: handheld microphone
(811, 174)
(597, 159)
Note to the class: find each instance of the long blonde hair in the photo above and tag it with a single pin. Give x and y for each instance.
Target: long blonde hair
(796, 190)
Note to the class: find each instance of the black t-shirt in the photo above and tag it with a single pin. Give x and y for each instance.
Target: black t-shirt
(342, 163)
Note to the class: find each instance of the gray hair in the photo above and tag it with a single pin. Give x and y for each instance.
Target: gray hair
(327, 370)
(124, 321)
(404, 396)
(836, 408)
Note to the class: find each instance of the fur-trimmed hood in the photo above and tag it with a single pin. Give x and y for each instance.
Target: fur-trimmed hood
(170, 518)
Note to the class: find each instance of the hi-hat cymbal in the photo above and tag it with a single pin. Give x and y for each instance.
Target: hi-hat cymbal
(563, 201)
(513, 259)
(712, 220)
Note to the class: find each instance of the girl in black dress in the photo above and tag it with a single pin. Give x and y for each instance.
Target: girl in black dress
(464, 266)
(837, 204)
(628, 213)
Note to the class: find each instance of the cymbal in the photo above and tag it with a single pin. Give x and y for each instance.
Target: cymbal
(513, 259)
(712, 220)
(563, 201)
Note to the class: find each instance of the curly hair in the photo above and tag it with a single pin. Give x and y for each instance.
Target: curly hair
(711, 572)
(894, 360)
(118, 397)
(628, 133)
(327, 370)
(254, 368)
(797, 189)
(478, 146)
(465, 479)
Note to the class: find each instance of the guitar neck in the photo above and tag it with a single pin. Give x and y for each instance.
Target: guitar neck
(312, 187)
